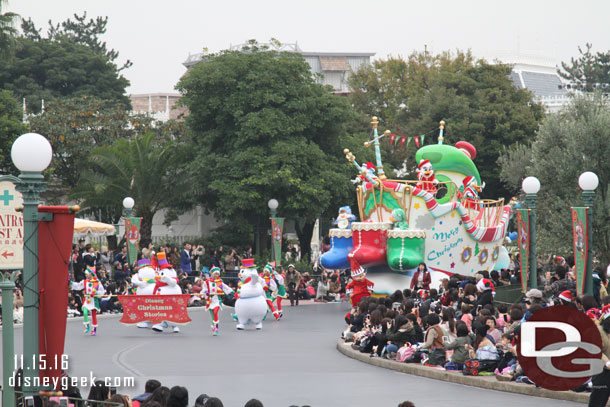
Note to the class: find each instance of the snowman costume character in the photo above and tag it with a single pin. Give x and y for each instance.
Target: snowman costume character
(214, 289)
(166, 284)
(425, 176)
(251, 306)
(92, 289)
(144, 281)
(345, 218)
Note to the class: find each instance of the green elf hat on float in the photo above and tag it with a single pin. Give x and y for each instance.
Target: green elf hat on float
(214, 270)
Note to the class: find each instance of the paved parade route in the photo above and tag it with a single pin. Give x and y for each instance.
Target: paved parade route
(289, 362)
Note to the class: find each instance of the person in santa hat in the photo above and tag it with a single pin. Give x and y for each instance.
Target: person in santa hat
(369, 170)
(93, 289)
(566, 298)
(214, 289)
(425, 176)
(470, 189)
(359, 287)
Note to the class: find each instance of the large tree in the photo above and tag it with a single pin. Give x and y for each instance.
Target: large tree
(11, 127)
(476, 100)
(8, 32)
(590, 71)
(70, 62)
(263, 129)
(144, 168)
(75, 126)
(78, 31)
(567, 144)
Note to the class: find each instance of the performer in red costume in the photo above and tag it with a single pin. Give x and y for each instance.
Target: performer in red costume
(425, 176)
(359, 287)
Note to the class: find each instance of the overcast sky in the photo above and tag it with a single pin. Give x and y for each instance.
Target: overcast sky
(157, 36)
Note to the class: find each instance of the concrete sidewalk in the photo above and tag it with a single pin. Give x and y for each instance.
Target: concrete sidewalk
(485, 382)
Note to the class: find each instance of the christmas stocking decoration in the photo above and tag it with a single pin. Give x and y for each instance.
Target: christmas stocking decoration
(405, 248)
(369, 243)
(340, 246)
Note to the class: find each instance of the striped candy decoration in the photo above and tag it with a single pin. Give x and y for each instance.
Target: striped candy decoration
(479, 233)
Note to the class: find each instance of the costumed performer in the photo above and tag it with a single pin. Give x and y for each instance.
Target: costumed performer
(281, 288)
(359, 287)
(214, 289)
(425, 176)
(92, 289)
(166, 284)
(144, 281)
(251, 305)
(270, 288)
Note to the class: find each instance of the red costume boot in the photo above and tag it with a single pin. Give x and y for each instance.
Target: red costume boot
(369, 243)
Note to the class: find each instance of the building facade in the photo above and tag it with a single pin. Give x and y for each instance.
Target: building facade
(329, 68)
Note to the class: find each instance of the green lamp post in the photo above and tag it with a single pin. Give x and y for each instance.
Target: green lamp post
(31, 153)
(588, 182)
(531, 186)
(272, 204)
(7, 285)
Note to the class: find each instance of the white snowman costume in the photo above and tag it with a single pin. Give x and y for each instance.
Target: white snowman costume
(251, 307)
(168, 285)
(144, 280)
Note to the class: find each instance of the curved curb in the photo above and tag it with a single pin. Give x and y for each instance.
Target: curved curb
(484, 382)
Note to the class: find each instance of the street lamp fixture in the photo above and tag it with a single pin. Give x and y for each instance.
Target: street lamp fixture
(128, 204)
(531, 186)
(273, 204)
(31, 153)
(588, 182)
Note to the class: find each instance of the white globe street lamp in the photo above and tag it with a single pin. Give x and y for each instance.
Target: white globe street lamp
(588, 181)
(531, 185)
(31, 152)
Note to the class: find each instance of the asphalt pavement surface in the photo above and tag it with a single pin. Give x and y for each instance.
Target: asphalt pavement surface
(290, 362)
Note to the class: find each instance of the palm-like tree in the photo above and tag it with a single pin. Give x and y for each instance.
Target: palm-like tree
(8, 32)
(141, 168)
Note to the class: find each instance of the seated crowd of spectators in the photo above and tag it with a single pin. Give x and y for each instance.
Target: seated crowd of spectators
(155, 395)
(459, 327)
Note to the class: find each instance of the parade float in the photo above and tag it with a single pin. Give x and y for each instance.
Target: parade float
(437, 219)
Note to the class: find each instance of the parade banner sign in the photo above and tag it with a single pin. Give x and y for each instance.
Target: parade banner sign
(11, 227)
(523, 230)
(54, 246)
(132, 236)
(155, 308)
(277, 228)
(581, 246)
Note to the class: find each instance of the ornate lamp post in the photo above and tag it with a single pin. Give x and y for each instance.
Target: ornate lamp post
(31, 153)
(531, 186)
(588, 182)
(128, 204)
(272, 204)
(7, 285)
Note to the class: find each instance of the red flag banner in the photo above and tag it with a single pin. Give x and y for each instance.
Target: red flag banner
(523, 230)
(392, 138)
(417, 141)
(54, 245)
(402, 141)
(581, 246)
(155, 308)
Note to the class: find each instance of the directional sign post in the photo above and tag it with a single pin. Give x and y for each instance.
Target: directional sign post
(11, 227)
